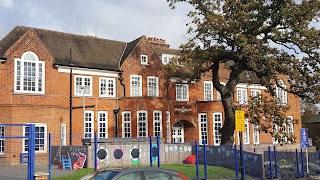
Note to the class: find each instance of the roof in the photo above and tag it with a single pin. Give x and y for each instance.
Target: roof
(87, 51)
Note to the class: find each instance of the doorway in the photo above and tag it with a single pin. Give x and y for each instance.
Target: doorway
(178, 132)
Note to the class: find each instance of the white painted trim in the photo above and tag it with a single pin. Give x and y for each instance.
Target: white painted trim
(114, 86)
(251, 86)
(146, 121)
(84, 71)
(45, 137)
(204, 90)
(157, 81)
(92, 124)
(105, 122)
(214, 130)
(199, 125)
(160, 119)
(140, 77)
(146, 56)
(126, 112)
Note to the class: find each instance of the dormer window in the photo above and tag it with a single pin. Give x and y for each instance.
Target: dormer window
(166, 58)
(144, 59)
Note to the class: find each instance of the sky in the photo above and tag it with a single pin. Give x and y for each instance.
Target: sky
(121, 20)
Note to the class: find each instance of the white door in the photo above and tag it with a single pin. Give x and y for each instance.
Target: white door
(178, 133)
(63, 135)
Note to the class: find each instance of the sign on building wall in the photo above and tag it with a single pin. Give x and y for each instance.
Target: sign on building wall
(240, 124)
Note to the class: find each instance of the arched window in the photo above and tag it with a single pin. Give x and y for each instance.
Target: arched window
(29, 74)
(281, 93)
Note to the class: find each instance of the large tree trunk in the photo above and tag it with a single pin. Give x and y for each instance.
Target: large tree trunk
(229, 121)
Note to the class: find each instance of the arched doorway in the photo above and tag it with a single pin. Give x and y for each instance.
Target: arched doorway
(178, 132)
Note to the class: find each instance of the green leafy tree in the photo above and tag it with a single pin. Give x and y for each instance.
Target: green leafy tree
(263, 38)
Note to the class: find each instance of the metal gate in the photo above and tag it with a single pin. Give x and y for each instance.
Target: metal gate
(28, 137)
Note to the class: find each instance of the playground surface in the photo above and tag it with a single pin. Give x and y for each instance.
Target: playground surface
(21, 172)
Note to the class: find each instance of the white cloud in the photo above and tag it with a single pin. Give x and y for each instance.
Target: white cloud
(114, 19)
(6, 3)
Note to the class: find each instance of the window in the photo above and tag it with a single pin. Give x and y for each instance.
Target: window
(255, 93)
(256, 136)
(168, 127)
(88, 124)
(246, 136)
(142, 124)
(157, 124)
(203, 128)
(242, 96)
(2, 139)
(102, 124)
(275, 131)
(144, 59)
(29, 74)
(126, 124)
(281, 93)
(208, 91)
(182, 93)
(217, 121)
(128, 176)
(166, 58)
(83, 86)
(135, 85)
(153, 88)
(290, 127)
(107, 87)
(40, 138)
(283, 132)
(151, 175)
(63, 134)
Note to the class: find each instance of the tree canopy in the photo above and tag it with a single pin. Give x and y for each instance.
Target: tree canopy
(267, 38)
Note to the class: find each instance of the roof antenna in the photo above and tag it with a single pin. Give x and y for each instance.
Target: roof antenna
(82, 19)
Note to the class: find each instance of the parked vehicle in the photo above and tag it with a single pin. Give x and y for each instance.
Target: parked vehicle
(139, 173)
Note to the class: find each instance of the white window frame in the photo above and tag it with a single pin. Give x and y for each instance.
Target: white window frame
(25, 140)
(256, 134)
(275, 130)
(88, 121)
(166, 56)
(153, 91)
(2, 141)
(208, 90)
(63, 134)
(84, 86)
(157, 123)
(290, 126)
(139, 86)
(246, 133)
(203, 127)
(281, 93)
(182, 92)
(217, 125)
(242, 96)
(144, 59)
(255, 93)
(102, 124)
(126, 124)
(145, 121)
(20, 79)
(168, 127)
(283, 135)
(107, 87)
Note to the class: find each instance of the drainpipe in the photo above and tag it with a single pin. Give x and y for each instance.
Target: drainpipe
(124, 86)
(116, 115)
(70, 99)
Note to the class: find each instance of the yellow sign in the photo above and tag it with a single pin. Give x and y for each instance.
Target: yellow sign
(240, 125)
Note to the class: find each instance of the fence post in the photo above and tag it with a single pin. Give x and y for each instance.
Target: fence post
(158, 146)
(302, 163)
(49, 157)
(236, 161)
(270, 162)
(150, 138)
(205, 159)
(275, 160)
(31, 151)
(197, 159)
(95, 151)
(243, 174)
(297, 163)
